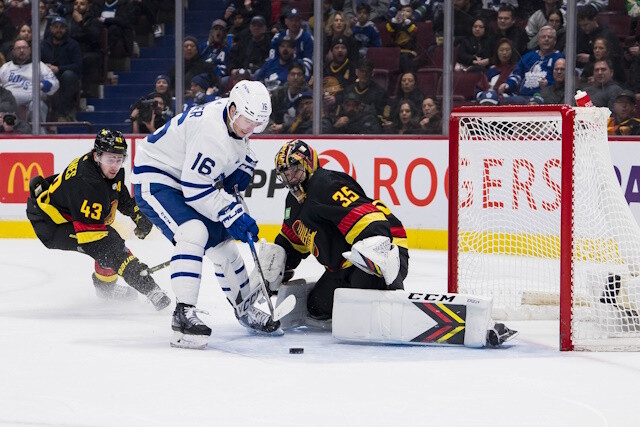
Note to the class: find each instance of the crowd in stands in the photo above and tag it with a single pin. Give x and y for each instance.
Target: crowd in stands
(382, 69)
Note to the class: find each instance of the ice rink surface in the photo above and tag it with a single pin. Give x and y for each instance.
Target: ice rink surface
(69, 359)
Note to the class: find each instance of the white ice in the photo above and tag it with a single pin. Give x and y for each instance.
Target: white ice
(69, 359)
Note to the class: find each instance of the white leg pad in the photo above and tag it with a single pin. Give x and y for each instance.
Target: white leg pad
(410, 317)
(300, 288)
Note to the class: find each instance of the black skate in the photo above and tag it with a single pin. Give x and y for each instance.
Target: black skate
(260, 322)
(189, 330)
(113, 291)
(159, 299)
(499, 334)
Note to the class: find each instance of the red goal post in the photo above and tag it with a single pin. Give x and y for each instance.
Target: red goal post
(537, 220)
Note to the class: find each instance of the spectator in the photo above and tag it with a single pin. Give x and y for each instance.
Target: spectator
(251, 50)
(504, 62)
(370, 92)
(536, 100)
(540, 18)
(248, 9)
(633, 8)
(622, 122)
(340, 67)
(464, 13)
(63, 56)
(16, 76)
(405, 121)
(335, 28)
(403, 31)
(556, 21)
(303, 40)
(8, 101)
(355, 117)
(508, 28)
(199, 92)
(146, 114)
(86, 30)
(533, 71)
(554, 93)
(7, 30)
(145, 12)
(217, 49)
(117, 16)
(423, 10)
(11, 123)
(284, 98)
(588, 31)
(327, 11)
(488, 97)
(162, 86)
(407, 90)
(633, 55)
(474, 52)
(377, 10)
(194, 64)
(604, 90)
(365, 31)
(274, 72)
(431, 122)
(43, 13)
(303, 122)
(600, 52)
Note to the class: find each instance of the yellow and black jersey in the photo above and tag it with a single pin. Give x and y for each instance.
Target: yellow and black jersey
(335, 214)
(83, 196)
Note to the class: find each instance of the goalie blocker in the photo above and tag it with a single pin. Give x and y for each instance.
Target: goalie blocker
(399, 316)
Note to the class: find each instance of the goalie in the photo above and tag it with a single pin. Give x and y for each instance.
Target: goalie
(362, 246)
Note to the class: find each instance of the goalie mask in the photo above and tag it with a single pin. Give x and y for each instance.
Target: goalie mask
(295, 163)
(252, 100)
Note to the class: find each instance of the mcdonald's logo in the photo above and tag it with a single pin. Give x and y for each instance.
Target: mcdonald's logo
(17, 169)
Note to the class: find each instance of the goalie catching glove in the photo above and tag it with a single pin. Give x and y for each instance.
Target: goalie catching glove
(272, 259)
(377, 256)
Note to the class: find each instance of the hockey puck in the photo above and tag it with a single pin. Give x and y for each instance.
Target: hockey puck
(296, 350)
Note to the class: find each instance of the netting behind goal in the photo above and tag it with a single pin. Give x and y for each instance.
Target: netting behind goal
(538, 221)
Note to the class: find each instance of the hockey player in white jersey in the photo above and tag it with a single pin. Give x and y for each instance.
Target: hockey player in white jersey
(184, 177)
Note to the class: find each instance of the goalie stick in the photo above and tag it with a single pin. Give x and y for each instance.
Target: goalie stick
(283, 308)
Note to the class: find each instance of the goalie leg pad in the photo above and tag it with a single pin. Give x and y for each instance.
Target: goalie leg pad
(300, 288)
(409, 317)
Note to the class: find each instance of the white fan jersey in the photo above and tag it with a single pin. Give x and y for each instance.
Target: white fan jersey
(192, 152)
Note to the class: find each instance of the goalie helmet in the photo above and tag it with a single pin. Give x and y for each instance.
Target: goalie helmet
(251, 100)
(296, 161)
(110, 141)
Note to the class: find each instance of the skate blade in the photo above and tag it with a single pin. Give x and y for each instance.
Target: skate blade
(277, 333)
(512, 334)
(196, 342)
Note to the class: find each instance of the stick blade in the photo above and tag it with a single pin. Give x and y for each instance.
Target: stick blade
(285, 307)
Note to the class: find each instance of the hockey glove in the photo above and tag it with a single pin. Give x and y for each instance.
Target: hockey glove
(238, 223)
(241, 176)
(143, 225)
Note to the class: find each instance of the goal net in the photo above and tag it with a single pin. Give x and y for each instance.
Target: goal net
(538, 221)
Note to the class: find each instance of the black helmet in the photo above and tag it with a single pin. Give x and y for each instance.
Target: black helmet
(110, 141)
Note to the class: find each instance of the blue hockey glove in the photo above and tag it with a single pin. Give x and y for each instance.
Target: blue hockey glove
(241, 176)
(238, 223)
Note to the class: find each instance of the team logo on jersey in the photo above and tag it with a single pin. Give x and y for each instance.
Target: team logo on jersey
(336, 160)
(306, 236)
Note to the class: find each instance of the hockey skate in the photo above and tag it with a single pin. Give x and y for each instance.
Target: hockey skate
(158, 298)
(189, 330)
(259, 322)
(499, 334)
(113, 291)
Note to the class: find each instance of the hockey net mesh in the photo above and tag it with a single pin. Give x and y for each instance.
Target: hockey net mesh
(509, 186)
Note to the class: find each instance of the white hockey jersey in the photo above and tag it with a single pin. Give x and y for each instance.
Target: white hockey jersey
(193, 152)
(18, 78)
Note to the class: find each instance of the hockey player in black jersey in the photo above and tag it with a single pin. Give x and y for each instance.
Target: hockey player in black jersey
(74, 211)
(358, 240)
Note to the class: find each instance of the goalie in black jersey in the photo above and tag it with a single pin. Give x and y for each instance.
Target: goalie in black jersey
(74, 210)
(358, 240)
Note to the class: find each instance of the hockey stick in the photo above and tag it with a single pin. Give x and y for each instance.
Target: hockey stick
(159, 267)
(289, 303)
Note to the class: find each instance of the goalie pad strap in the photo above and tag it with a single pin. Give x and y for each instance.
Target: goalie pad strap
(399, 316)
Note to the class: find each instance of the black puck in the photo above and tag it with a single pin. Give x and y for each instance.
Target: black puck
(296, 350)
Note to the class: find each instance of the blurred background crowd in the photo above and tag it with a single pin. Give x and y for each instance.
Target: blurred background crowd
(110, 63)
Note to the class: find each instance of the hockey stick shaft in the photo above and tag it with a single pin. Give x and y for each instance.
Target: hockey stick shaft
(159, 266)
(254, 254)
